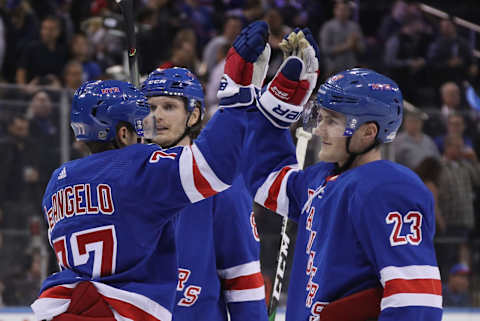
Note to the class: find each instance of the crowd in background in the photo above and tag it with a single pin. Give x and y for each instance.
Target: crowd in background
(50, 47)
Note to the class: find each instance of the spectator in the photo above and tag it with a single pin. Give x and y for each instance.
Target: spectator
(429, 171)
(412, 145)
(277, 31)
(214, 81)
(200, 18)
(404, 58)
(392, 23)
(42, 61)
(23, 286)
(183, 52)
(21, 29)
(450, 55)
(159, 23)
(81, 52)
(456, 292)
(460, 174)
(455, 127)
(19, 174)
(231, 28)
(3, 36)
(451, 103)
(73, 75)
(341, 40)
(44, 133)
(108, 47)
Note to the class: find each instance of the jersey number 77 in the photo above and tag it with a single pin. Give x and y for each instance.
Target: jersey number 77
(101, 241)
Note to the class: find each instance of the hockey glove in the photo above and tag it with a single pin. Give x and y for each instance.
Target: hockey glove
(246, 66)
(282, 101)
(301, 43)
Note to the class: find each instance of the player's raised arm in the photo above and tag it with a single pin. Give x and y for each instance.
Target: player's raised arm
(273, 173)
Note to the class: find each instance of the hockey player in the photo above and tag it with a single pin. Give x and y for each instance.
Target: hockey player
(110, 214)
(224, 273)
(364, 247)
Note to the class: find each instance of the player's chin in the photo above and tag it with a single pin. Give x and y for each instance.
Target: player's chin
(328, 156)
(162, 140)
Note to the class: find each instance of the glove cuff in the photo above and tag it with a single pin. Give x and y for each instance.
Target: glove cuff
(233, 95)
(280, 113)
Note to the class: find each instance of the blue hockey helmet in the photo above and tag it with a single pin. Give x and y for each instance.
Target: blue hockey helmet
(98, 106)
(175, 82)
(364, 95)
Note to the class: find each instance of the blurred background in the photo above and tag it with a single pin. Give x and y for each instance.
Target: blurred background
(431, 48)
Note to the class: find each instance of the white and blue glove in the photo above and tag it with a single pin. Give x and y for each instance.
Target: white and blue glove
(245, 66)
(283, 100)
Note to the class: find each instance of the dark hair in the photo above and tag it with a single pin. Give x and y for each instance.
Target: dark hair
(429, 169)
(197, 127)
(98, 147)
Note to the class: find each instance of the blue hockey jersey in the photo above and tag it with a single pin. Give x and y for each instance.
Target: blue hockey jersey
(110, 218)
(371, 226)
(218, 258)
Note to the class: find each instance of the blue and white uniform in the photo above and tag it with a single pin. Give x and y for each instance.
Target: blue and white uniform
(218, 258)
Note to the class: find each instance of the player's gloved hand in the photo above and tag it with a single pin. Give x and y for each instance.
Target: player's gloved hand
(302, 44)
(245, 66)
(282, 101)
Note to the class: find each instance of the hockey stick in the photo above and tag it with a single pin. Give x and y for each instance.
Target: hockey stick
(127, 10)
(302, 142)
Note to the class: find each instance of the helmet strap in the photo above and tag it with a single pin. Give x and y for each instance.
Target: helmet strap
(182, 136)
(352, 156)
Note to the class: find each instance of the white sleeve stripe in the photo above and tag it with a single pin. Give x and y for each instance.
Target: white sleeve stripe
(245, 295)
(411, 299)
(261, 195)
(47, 308)
(207, 172)
(409, 272)
(240, 270)
(283, 202)
(186, 175)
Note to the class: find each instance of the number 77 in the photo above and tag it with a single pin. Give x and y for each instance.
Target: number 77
(102, 241)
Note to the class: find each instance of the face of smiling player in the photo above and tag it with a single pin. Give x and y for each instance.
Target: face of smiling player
(331, 126)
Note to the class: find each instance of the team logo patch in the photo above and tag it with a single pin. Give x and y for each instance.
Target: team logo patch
(335, 78)
(382, 87)
(110, 90)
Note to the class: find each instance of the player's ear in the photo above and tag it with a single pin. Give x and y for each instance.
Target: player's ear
(124, 136)
(370, 131)
(194, 117)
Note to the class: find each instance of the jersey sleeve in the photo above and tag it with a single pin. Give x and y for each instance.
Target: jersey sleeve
(395, 225)
(273, 175)
(179, 176)
(237, 252)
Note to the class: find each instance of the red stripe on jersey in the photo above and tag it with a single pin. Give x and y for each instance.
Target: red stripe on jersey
(421, 286)
(57, 292)
(201, 183)
(244, 282)
(238, 69)
(274, 190)
(130, 311)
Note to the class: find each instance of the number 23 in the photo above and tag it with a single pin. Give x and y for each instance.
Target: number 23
(413, 217)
